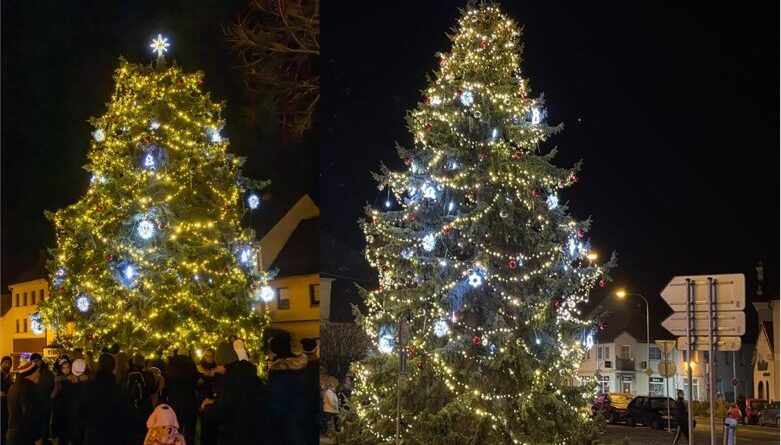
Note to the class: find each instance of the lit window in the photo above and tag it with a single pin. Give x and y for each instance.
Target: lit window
(314, 295)
(283, 298)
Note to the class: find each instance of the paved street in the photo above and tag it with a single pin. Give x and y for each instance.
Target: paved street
(747, 435)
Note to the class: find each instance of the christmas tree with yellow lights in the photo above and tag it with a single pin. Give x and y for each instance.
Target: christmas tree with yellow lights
(154, 255)
(479, 262)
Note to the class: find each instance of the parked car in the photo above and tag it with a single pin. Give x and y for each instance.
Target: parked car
(651, 411)
(612, 406)
(768, 415)
(752, 410)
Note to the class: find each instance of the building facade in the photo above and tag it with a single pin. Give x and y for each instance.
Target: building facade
(766, 355)
(289, 249)
(619, 366)
(20, 332)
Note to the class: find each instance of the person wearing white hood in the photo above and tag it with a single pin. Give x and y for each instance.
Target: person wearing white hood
(163, 427)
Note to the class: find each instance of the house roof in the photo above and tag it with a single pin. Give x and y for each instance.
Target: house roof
(300, 255)
(767, 327)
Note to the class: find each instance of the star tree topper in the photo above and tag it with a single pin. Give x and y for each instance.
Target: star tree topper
(160, 45)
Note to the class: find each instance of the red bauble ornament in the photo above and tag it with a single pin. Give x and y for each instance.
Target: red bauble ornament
(517, 154)
(101, 209)
(226, 207)
(421, 364)
(426, 100)
(110, 257)
(161, 226)
(411, 217)
(536, 193)
(385, 268)
(602, 283)
(459, 91)
(513, 264)
(484, 44)
(200, 80)
(442, 62)
(446, 230)
(113, 119)
(412, 350)
(581, 233)
(62, 289)
(192, 308)
(90, 336)
(574, 178)
(557, 302)
(429, 127)
(147, 139)
(180, 82)
(407, 161)
(475, 340)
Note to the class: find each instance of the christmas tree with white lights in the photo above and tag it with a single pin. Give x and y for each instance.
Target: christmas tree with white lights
(154, 255)
(482, 263)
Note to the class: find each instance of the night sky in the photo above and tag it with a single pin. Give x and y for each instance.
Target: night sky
(673, 108)
(58, 62)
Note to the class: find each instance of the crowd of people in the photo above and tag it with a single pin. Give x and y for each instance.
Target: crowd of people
(123, 398)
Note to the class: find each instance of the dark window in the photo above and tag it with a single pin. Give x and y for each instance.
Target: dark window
(24, 298)
(25, 325)
(40, 295)
(17, 300)
(314, 295)
(17, 321)
(32, 297)
(283, 298)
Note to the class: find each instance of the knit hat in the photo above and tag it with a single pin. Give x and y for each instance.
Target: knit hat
(35, 356)
(226, 354)
(8, 358)
(238, 347)
(78, 367)
(27, 368)
(163, 415)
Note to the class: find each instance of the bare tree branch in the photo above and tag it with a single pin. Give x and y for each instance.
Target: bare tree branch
(277, 44)
(340, 345)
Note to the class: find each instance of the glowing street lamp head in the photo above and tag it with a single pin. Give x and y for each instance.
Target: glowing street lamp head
(621, 293)
(160, 45)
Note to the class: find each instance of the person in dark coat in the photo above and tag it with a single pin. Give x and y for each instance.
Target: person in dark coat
(181, 378)
(44, 388)
(106, 409)
(141, 386)
(63, 402)
(236, 402)
(24, 408)
(207, 368)
(682, 418)
(312, 370)
(5, 371)
(291, 418)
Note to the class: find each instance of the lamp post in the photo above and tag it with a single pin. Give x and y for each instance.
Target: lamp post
(621, 293)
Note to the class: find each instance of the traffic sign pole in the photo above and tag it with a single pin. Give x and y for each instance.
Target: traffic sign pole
(711, 353)
(690, 325)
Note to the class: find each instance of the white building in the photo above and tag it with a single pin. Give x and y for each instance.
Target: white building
(619, 366)
(766, 355)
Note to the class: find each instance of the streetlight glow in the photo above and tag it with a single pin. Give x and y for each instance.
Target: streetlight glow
(621, 293)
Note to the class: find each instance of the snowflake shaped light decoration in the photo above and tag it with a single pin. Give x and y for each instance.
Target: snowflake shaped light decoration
(475, 279)
(441, 328)
(160, 45)
(266, 293)
(146, 229)
(429, 242)
(82, 303)
(253, 201)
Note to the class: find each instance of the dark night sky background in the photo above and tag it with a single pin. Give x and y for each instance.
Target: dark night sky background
(58, 60)
(672, 107)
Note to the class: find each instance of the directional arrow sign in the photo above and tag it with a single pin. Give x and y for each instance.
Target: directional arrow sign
(701, 344)
(730, 291)
(726, 323)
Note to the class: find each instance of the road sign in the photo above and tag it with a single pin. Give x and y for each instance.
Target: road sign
(649, 372)
(666, 346)
(730, 288)
(726, 323)
(735, 381)
(701, 344)
(666, 368)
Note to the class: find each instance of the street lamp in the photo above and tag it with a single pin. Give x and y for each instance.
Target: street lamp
(621, 294)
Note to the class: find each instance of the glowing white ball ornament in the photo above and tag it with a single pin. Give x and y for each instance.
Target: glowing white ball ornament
(253, 201)
(441, 328)
(267, 293)
(467, 98)
(82, 303)
(146, 229)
